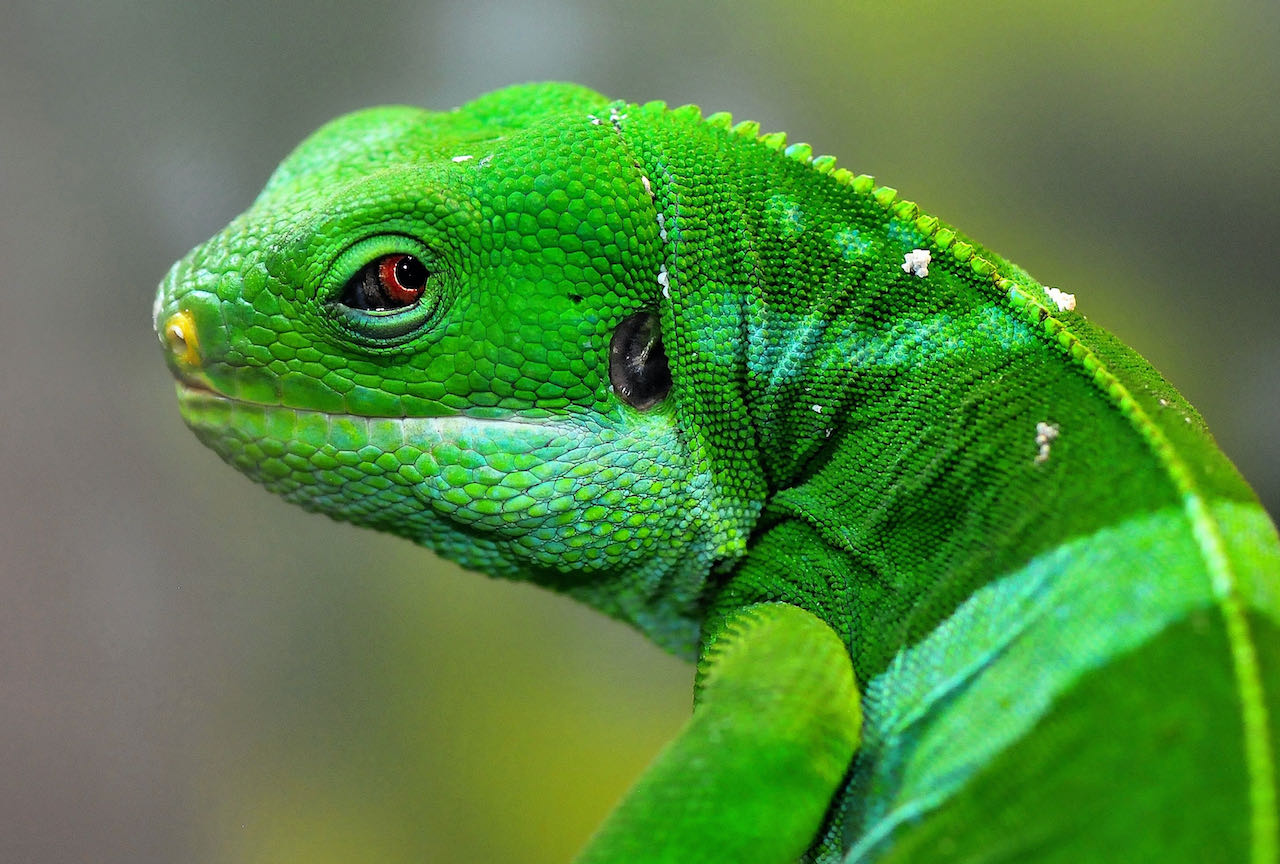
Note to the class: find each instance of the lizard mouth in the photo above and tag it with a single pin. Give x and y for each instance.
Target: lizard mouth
(196, 398)
(188, 389)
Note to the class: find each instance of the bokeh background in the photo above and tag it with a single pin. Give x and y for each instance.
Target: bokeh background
(190, 670)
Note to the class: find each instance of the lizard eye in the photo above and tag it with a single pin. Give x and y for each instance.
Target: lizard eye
(382, 296)
(386, 283)
(638, 366)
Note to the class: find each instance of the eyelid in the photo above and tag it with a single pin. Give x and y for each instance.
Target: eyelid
(385, 328)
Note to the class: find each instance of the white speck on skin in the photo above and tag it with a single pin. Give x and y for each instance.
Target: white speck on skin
(485, 161)
(917, 262)
(1046, 434)
(664, 280)
(1164, 403)
(1064, 301)
(644, 181)
(595, 121)
(662, 227)
(462, 158)
(817, 409)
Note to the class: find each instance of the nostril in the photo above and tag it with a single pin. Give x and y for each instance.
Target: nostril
(177, 339)
(180, 336)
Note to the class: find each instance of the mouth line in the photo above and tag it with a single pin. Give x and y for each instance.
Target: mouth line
(192, 392)
(187, 388)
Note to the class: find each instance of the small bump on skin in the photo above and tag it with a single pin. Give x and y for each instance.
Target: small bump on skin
(1046, 434)
(1064, 301)
(916, 262)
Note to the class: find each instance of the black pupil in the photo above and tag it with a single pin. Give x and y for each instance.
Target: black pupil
(380, 288)
(410, 273)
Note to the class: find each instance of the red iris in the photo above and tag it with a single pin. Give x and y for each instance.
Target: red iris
(403, 278)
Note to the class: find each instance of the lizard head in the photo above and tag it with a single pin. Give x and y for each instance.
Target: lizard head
(443, 325)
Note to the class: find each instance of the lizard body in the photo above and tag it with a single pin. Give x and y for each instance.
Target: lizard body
(964, 577)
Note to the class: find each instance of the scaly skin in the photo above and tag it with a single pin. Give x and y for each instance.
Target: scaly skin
(921, 472)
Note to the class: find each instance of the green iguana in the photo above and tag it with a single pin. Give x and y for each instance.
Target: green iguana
(965, 579)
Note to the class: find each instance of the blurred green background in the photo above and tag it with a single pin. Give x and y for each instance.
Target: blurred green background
(191, 670)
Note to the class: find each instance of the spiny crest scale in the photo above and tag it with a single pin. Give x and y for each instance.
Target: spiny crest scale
(886, 196)
(777, 141)
(720, 120)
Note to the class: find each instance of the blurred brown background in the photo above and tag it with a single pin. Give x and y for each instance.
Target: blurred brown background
(191, 670)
